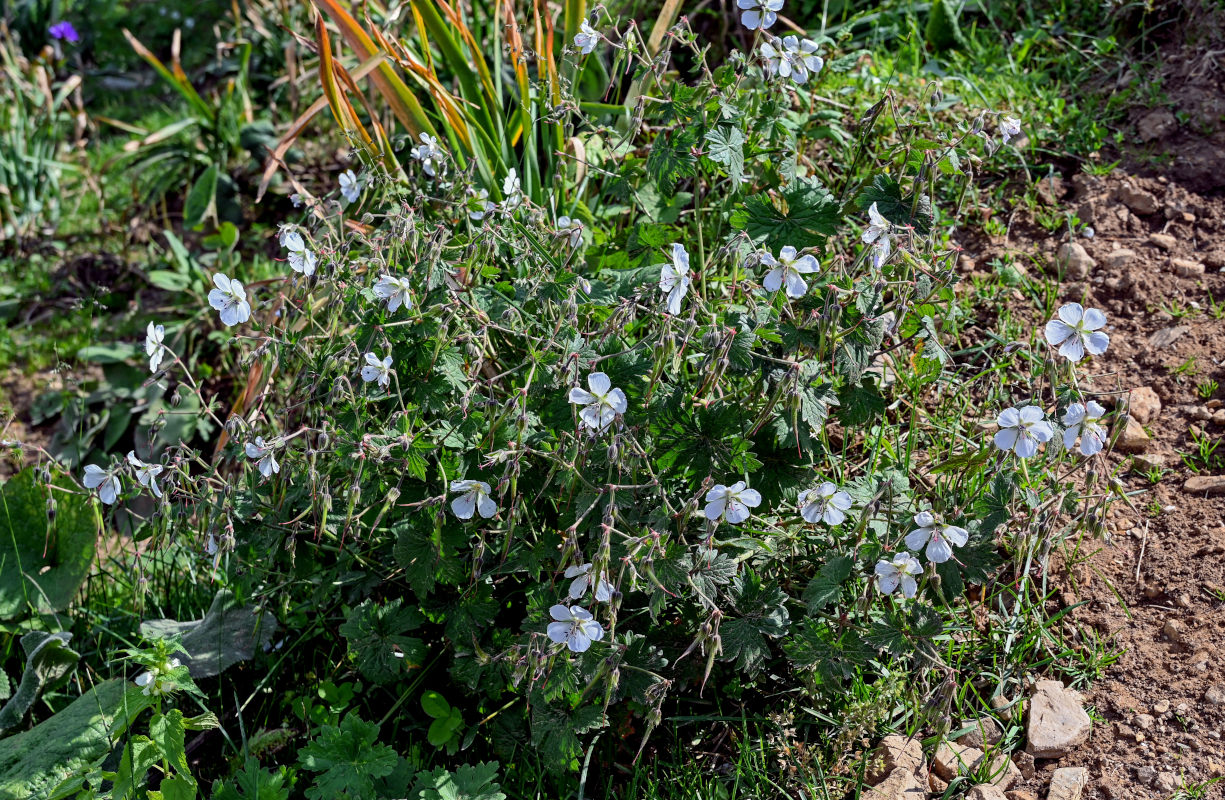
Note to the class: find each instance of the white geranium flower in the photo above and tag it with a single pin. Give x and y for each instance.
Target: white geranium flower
(938, 537)
(759, 14)
(230, 299)
(511, 188)
(674, 278)
(155, 335)
(602, 403)
(787, 271)
(1085, 420)
(1009, 127)
(901, 571)
(265, 461)
(1022, 430)
(572, 228)
(583, 579)
(574, 627)
(826, 503)
(479, 205)
(877, 235)
(155, 683)
(301, 259)
(350, 187)
(146, 474)
(791, 58)
(473, 497)
(429, 154)
(1077, 331)
(586, 39)
(105, 481)
(732, 503)
(394, 290)
(376, 370)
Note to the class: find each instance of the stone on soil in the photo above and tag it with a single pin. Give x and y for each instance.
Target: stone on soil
(1134, 439)
(985, 791)
(1156, 125)
(1215, 695)
(954, 759)
(986, 732)
(1138, 200)
(893, 752)
(1205, 484)
(1057, 722)
(1068, 783)
(1074, 260)
(1143, 404)
(900, 784)
(1187, 268)
(1163, 240)
(1117, 259)
(1167, 336)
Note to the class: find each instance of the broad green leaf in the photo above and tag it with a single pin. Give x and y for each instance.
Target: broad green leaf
(48, 662)
(348, 759)
(826, 586)
(376, 631)
(229, 633)
(201, 201)
(725, 145)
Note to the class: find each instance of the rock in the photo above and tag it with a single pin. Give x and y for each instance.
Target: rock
(1025, 764)
(893, 752)
(952, 760)
(986, 732)
(1068, 783)
(1057, 722)
(1209, 485)
(1117, 259)
(1145, 721)
(935, 785)
(1002, 705)
(1166, 782)
(1143, 404)
(1156, 124)
(1186, 268)
(985, 791)
(1167, 336)
(1074, 260)
(1163, 240)
(1146, 775)
(1138, 200)
(900, 784)
(1215, 696)
(1174, 631)
(1215, 258)
(1134, 439)
(1020, 794)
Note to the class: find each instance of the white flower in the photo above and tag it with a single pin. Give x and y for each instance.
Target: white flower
(261, 451)
(787, 271)
(1077, 331)
(1009, 127)
(429, 154)
(759, 13)
(1084, 420)
(900, 571)
(376, 370)
(301, 259)
(154, 336)
(587, 38)
(479, 205)
(146, 474)
(573, 230)
(1022, 430)
(105, 481)
(732, 503)
(583, 579)
(474, 496)
(230, 299)
(877, 235)
(791, 58)
(155, 682)
(511, 188)
(350, 187)
(574, 627)
(936, 535)
(603, 403)
(674, 278)
(394, 290)
(824, 504)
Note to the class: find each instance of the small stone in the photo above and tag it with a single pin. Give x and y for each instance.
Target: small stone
(952, 760)
(1138, 200)
(1143, 404)
(1209, 485)
(893, 752)
(1002, 706)
(1050, 189)
(1025, 763)
(1215, 695)
(1161, 706)
(901, 784)
(1117, 259)
(1020, 794)
(935, 785)
(1174, 631)
(1147, 462)
(1186, 268)
(1163, 240)
(1074, 260)
(1156, 124)
(1068, 783)
(1145, 721)
(1183, 601)
(1134, 439)
(986, 731)
(1057, 722)
(1166, 782)
(1167, 336)
(985, 791)
(1146, 775)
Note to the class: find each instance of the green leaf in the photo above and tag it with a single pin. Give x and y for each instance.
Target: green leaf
(805, 217)
(887, 194)
(826, 586)
(253, 782)
(725, 145)
(375, 631)
(168, 731)
(435, 704)
(48, 662)
(175, 788)
(942, 30)
(763, 614)
(230, 632)
(672, 158)
(468, 782)
(201, 201)
(348, 759)
(860, 403)
(42, 562)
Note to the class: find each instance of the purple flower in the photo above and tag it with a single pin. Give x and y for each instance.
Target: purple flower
(65, 31)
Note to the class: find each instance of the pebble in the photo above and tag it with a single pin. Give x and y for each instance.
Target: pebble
(1068, 783)
(1209, 485)
(1166, 782)
(1163, 240)
(1134, 439)
(1120, 258)
(1187, 268)
(1167, 336)
(1074, 260)
(1138, 200)
(1057, 721)
(1215, 695)
(986, 731)
(1143, 404)
(1156, 124)
(893, 752)
(985, 791)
